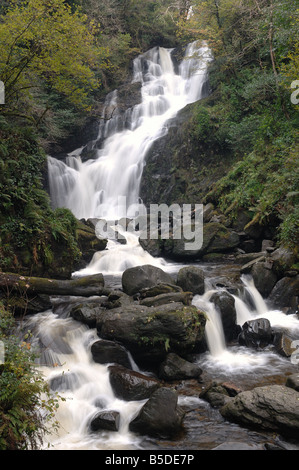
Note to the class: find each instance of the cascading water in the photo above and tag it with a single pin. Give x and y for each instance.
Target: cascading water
(236, 360)
(97, 188)
(92, 189)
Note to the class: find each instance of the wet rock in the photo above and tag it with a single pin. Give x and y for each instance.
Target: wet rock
(272, 407)
(225, 304)
(184, 297)
(263, 276)
(141, 277)
(149, 333)
(256, 333)
(285, 293)
(175, 367)
(283, 344)
(218, 394)
(105, 352)
(283, 258)
(293, 382)
(108, 420)
(160, 416)
(86, 313)
(191, 279)
(131, 385)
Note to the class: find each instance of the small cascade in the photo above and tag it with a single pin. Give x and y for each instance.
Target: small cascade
(84, 385)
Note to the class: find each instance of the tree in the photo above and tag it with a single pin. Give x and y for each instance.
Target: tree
(46, 45)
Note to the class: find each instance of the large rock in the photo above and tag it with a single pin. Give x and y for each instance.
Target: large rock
(191, 279)
(160, 416)
(141, 277)
(175, 367)
(285, 293)
(272, 407)
(149, 333)
(225, 304)
(131, 385)
(105, 352)
(108, 420)
(256, 333)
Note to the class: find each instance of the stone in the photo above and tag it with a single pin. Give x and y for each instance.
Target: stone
(225, 304)
(107, 420)
(105, 352)
(175, 367)
(272, 408)
(141, 277)
(149, 333)
(191, 279)
(256, 333)
(131, 385)
(293, 382)
(160, 416)
(285, 293)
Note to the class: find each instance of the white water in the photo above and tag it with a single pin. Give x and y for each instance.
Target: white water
(92, 189)
(85, 386)
(238, 360)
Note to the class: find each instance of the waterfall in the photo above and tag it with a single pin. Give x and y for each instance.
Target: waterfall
(91, 189)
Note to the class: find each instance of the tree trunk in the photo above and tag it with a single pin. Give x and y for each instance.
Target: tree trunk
(23, 285)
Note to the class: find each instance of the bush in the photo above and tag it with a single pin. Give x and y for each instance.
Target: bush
(27, 409)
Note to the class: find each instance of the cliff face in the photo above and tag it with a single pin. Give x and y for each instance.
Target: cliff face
(180, 167)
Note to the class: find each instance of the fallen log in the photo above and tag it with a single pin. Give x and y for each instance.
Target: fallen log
(85, 286)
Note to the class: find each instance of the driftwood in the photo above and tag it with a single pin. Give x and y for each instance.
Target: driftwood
(83, 286)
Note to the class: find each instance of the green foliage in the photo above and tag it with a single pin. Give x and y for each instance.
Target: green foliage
(27, 409)
(29, 227)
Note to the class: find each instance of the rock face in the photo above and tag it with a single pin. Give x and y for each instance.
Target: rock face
(273, 407)
(160, 416)
(141, 277)
(149, 333)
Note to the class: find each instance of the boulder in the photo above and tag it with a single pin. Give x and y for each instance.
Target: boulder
(261, 271)
(105, 352)
(285, 293)
(175, 367)
(256, 333)
(160, 416)
(86, 313)
(107, 420)
(131, 385)
(149, 333)
(272, 408)
(141, 277)
(283, 344)
(283, 258)
(191, 279)
(225, 304)
(293, 382)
